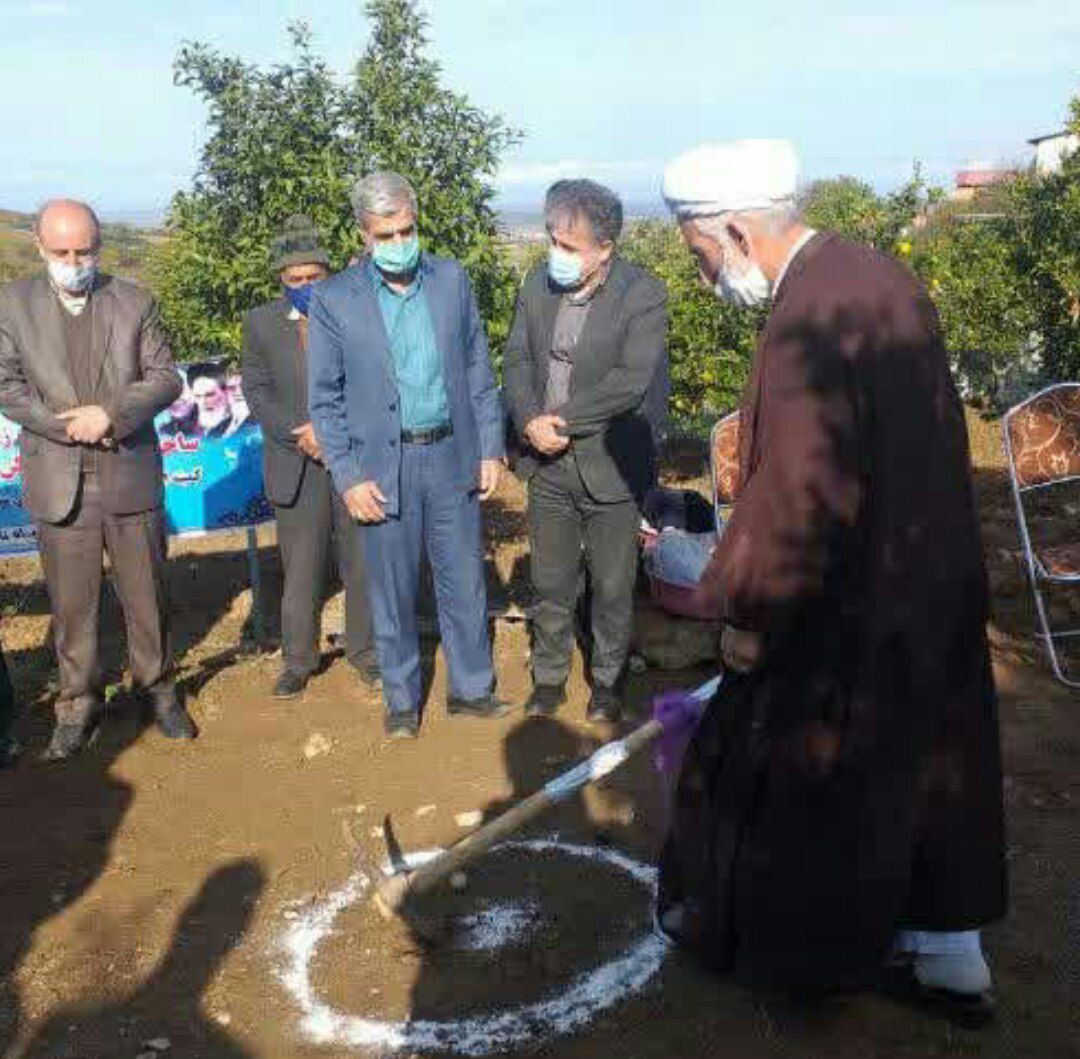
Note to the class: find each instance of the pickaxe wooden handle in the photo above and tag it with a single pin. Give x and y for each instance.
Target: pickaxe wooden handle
(392, 893)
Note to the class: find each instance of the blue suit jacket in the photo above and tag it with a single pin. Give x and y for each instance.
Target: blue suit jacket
(352, 389)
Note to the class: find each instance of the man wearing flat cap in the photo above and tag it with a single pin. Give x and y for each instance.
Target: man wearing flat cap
(839, 816)
(312, 523)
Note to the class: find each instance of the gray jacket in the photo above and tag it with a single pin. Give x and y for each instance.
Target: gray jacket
(620, 355)
(136, 380)
(274, 372)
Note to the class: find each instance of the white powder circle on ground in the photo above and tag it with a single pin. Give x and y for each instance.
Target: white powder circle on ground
(567, 1011)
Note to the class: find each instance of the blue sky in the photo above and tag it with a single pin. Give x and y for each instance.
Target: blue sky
(605, 88)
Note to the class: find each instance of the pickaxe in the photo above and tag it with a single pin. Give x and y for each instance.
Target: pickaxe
(403, 882)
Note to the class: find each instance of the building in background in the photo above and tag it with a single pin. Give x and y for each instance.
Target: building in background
(976, 179)
(1050, 151)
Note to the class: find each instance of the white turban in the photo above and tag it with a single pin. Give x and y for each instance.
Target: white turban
(731, 177)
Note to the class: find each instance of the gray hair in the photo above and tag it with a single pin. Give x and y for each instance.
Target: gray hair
(382, 193)
(775, 221)
(571, 200)
(49, 204)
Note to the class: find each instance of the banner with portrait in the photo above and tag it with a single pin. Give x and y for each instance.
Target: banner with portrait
(211, 453)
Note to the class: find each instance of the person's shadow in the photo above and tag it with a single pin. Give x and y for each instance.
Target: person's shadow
(168, 1004)
(57, 823)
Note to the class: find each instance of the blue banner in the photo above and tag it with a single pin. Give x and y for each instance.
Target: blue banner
(212, 455)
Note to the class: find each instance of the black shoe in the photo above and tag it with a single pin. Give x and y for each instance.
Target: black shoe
(404, 725)
(605, 706)
(67, 740)
(545, 700)
(289, 684)
(174, 722)
(487, 707)
(967, 1010)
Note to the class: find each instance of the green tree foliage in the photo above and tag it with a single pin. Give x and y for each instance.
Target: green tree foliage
(710, 343)
(853, 209)
(987, 314)
(1047, 215)
(293, 138)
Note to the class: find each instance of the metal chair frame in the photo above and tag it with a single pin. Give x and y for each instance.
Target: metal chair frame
(1038, 574)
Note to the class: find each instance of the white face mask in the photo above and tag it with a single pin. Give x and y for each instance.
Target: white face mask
(748, 288)
(74, 279)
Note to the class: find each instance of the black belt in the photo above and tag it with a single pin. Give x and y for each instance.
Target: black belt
(427, 437)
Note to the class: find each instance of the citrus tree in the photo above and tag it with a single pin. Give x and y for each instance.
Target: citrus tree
(985, 305)
(710, 342)
(292, 139)
(1047, 215)
(856, 211)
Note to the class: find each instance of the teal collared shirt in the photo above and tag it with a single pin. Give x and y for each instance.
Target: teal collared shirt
(414, 353)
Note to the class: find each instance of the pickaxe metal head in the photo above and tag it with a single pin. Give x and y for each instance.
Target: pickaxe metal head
(396, 859)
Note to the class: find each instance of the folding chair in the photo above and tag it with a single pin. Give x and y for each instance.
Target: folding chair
(1042, 444)
(724, 463)
(679, 599)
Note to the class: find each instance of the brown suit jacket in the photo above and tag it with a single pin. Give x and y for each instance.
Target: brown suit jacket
(136, 379)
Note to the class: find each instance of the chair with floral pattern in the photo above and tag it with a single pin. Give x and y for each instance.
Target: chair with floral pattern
(1042, 444)
(724, 462)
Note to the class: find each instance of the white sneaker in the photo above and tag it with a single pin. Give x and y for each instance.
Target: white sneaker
(964, 973)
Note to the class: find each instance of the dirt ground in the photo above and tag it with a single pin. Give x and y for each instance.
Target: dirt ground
(146, 888)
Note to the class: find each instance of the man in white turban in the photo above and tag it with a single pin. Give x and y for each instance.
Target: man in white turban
(840, 805)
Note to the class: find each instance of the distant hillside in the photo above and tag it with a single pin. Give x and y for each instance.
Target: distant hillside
(12, 219)
(126, 249)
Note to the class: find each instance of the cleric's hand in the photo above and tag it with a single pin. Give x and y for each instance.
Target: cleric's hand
(741, 650)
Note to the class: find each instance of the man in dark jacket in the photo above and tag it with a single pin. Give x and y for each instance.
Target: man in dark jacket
(842, 798)
(587, 343)
(84, 368)
(311, 518)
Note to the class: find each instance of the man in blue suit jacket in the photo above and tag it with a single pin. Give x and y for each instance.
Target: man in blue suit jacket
(405, 407)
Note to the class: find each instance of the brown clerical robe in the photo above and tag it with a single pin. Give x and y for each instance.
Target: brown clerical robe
(852, 784)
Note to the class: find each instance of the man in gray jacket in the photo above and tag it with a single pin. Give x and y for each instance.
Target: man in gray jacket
(311, 517)
(586, 346)
(84, 368)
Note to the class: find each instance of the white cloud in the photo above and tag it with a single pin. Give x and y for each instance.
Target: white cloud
(43, 9)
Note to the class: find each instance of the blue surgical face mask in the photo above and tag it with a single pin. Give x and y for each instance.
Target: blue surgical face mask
(397, 258)
(565, 269)
(300, 297)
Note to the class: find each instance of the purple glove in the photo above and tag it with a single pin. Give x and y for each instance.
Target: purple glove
(679, 713)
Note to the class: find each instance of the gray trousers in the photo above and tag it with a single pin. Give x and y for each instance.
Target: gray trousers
(311, 530)
(71, 555)
(565, 523)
